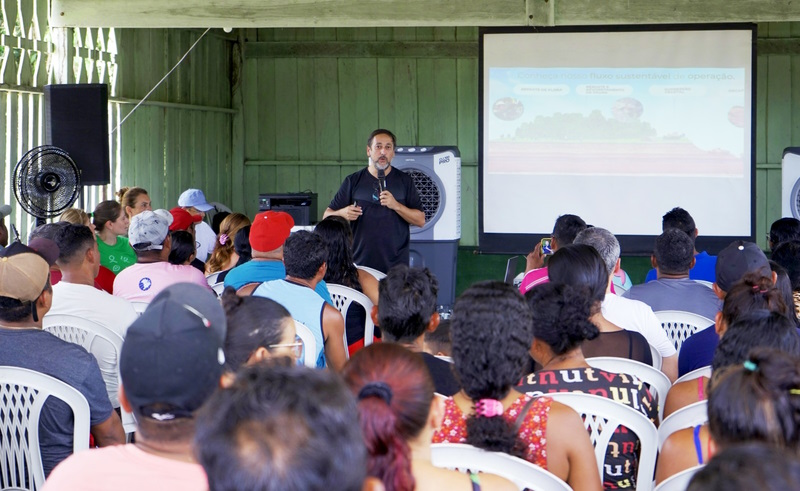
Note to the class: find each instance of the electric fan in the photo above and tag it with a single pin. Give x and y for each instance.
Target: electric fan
(46, 182)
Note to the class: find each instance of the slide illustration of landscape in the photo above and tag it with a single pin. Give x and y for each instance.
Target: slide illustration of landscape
(627, 121)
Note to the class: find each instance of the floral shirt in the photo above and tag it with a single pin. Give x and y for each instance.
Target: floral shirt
(533, 431)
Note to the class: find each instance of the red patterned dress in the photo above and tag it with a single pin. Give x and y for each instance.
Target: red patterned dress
(533, 431)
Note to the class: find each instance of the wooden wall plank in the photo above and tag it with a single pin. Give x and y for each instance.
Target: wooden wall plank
(326, 108)
(286, 109)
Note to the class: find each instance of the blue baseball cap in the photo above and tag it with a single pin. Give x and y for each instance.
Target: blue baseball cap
(194, 198)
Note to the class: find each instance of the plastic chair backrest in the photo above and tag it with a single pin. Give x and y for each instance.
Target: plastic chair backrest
(658, 382)
(22, 396)
(374, 272)
(343, 297)
(602, 417)
(680, 325)
(465, 458)
(657, 358)
(685, 417)
(212, 278)
(83, 332)
(140, 307)
(679, 481)
(309, 344)
(709, 284)
(218, 288)
(700, 372)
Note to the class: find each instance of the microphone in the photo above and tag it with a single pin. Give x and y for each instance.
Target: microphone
(382, 180)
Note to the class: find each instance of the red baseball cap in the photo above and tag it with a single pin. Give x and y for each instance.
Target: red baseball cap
(182, 219)
(269, 230)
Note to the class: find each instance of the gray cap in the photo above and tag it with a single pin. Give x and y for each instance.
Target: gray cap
(5, 210)
(148, 231)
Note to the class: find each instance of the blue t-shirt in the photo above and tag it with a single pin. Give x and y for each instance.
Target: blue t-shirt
(698, 350)
(705, 267)
(260, 271)
(40, 351)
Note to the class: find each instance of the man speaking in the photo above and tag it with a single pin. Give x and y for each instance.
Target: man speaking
(380, 202)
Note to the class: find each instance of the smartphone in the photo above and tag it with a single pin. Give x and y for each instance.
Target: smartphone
(547, 250)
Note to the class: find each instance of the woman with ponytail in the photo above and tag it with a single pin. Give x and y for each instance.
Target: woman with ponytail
(491, 334)
(398, 414)
(224, 256)
(752, 293)
(560, 326)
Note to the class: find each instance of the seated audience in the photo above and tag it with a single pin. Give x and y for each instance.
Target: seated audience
(75, 294)
(733, 263)
(304, 257)
(757, 329)
(77, 217)
(267, 236)
(787, 254)
(746, 467)
(784, 285)
(625, 313)
(171, 362)
(182, 248)
(560, 325)
(437, 342)
(673, 257)
(582, 267)
(134, 201)
(406, 311)
(48, 231)
(398, 414)
(753, 293)
(183, 221)
(111, 224)
(258, 328)
(704, 264)
(282, 428)
(335, 232)
(241, 245)
(149, 235)
(783, 230)
(25, 298)
(224, 256)
(564, 232)
(492, 333)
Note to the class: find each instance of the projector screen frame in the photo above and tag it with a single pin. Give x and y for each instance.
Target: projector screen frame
(631, 245)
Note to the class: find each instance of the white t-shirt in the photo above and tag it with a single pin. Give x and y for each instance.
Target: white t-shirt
(124, 468)
(205, 238)
(105, 309)
(143, 281)
(634, 315)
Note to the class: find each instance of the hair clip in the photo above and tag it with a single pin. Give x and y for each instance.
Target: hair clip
(376, 389)
(794, 392)
(488, 408)
(750, 365)
(223, 238)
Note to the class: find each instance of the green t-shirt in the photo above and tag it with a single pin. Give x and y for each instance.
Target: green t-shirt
(116, 257)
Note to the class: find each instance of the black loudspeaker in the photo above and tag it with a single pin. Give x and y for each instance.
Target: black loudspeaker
(76, 120)
(302, 206)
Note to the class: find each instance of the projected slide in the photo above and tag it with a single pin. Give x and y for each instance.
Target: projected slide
(617, 125)
(634, 121)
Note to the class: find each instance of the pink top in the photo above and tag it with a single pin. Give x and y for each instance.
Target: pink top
(533, 431)
(143, 281)
(124, 468)
(532, 278)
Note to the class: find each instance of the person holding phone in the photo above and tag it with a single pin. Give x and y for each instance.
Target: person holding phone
(565, 230)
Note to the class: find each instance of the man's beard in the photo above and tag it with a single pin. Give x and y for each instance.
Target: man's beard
(378, 165)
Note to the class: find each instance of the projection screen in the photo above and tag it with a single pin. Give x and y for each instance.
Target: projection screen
(618, 126)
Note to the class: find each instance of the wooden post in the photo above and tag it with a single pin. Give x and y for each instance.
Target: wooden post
(63, 53)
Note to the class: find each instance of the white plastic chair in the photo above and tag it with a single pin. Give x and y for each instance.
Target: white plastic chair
(657, 358)
(343, 297)
(84, 332)
(680, 325)
(309, 344)
(679, 481)
(602, 417)
(685, 417)
(694, 374)
(140, 307)
(658, 382)
(465, 458)
(218, 288)
(709, 284)
(374, 272)
(212, 278)
(22, 396)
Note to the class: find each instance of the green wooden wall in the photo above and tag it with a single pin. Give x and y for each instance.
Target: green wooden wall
(307, 114)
